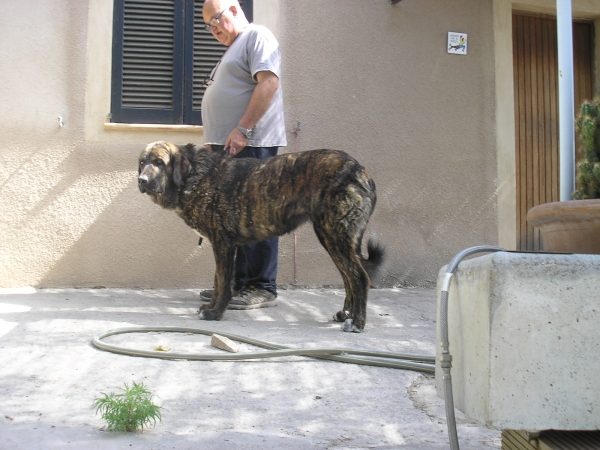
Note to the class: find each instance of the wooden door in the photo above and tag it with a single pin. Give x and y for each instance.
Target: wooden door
(536, 111)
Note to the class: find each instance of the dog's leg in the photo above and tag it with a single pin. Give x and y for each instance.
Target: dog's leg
(357, 289)
(224, 260)
(344, 314)
(340, 247)
(212, 303)
(358, 309)
(356, 283)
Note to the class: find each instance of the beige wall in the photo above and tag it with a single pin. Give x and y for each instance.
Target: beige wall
(71, 214)
(366, 77)
(376, 80)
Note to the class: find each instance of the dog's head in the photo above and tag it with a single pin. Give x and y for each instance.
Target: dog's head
(162, 168)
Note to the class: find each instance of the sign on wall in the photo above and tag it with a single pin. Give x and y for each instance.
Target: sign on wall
(457, 43)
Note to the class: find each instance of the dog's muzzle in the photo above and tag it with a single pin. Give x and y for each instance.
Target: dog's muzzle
(142, 183)
(147, 186)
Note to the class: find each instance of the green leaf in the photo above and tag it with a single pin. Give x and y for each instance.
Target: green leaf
(130, 410)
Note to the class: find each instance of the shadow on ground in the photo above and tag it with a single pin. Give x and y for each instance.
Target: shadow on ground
(51, 374)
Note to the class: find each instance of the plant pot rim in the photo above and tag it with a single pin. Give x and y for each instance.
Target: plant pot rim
(565, 210)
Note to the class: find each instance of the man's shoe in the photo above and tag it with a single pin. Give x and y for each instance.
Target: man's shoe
(206, 296)
(252, 298)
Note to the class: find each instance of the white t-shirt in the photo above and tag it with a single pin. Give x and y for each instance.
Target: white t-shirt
(225, 101)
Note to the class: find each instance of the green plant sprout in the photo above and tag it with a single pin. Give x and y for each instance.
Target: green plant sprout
(132, 410)
(587, 126)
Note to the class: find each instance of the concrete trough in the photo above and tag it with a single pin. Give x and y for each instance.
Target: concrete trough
(524, 333)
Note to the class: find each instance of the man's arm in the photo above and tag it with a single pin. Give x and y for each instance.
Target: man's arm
(267, 84)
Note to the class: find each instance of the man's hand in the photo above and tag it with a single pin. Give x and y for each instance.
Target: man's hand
(266, 86)
(236, 141)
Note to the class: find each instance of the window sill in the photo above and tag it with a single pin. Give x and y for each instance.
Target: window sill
(109, 126)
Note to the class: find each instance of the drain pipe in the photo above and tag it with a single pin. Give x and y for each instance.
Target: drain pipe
(445, 357)
(566, 99)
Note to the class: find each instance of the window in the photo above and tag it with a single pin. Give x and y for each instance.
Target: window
(160, 57)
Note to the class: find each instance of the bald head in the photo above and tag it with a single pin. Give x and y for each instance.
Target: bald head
(226, 19)
(220, 4)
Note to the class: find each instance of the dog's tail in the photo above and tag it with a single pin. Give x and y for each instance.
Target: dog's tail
(375, 259)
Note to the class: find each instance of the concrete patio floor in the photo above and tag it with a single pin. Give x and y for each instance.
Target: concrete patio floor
(51, 373)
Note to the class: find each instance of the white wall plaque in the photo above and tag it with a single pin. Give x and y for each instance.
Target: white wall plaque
(457, 43)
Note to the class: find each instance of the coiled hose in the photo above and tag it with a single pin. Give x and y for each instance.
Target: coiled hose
(422, 363)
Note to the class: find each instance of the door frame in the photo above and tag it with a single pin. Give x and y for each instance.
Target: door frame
(505, 120)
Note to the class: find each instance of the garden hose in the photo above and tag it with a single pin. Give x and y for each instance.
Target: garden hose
(407, 361)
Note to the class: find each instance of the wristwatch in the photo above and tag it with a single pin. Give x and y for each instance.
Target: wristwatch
(246, 132)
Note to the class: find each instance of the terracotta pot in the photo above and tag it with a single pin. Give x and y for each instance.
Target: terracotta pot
(568, 227)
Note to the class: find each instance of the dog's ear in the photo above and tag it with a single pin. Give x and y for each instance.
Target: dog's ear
(181, 168)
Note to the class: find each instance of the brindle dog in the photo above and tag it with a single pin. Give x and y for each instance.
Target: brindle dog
(234, 201)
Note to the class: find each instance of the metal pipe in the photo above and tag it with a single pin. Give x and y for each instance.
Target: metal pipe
(445, 356)
(566, 99)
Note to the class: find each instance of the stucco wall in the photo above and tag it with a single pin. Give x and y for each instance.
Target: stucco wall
(376, 80)
(366, 77)
(71, 214)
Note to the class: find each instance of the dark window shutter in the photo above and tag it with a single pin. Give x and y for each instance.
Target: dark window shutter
(148, 61)
(161, 56)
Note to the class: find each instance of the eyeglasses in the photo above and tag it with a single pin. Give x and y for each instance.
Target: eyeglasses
(209, 79)
(214, 21)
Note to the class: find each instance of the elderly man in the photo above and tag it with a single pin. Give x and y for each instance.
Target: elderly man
(242, 114)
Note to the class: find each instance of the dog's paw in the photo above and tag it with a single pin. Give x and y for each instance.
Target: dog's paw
(208, 314)
(341, 316)
(349, 326)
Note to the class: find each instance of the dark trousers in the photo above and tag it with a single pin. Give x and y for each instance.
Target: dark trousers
(256, 264)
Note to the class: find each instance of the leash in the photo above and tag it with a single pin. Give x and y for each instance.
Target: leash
(297, 133)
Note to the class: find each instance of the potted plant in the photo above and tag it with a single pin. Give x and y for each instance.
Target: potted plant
(574, 226)
(587, 127)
